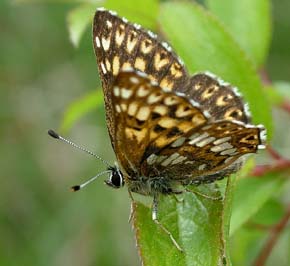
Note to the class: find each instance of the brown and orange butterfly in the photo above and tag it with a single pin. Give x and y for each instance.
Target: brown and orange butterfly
(168, 129)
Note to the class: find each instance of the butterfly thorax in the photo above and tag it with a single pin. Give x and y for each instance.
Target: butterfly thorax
(153, 185)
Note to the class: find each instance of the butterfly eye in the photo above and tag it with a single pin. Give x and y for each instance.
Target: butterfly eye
(115, 179)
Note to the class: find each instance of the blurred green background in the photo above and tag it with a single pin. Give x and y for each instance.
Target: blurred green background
(41, 73)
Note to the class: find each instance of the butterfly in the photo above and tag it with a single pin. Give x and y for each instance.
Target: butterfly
(168, 129)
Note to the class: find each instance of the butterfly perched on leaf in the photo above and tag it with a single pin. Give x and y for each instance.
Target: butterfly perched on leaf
(168, 129)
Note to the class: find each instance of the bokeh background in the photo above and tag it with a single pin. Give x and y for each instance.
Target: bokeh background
(41, 73)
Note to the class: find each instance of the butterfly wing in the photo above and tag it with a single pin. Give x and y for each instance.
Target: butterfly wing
(207, 153)
(162, 133)
(119, 44)
(218, 98)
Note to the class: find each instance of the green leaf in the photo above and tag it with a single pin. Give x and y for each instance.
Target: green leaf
(270, 213)
(249, 21)
(138, 11)
(204, 44)
(250, 195)
(78, 20)
(196, 224)
(80, 108)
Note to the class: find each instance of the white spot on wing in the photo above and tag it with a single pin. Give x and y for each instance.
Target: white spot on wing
(101, 9)
(116, 91)
(137, 26)
(98, 42)
(205, 142)
(221, 147)
(118, 108)
(109, 24)
(113, 13)
(222, 140)
(199, 138)
(202, 167)
(106, 43)
(229, 151)
(126, 93)
(151, 34)
(179, 142)
(134, 80)
(104, 70)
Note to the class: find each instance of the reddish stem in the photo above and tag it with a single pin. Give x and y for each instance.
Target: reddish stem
(272, 239)
(275, 155)
(285, 106)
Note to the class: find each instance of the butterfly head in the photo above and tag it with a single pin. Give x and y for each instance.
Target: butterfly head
(116, 179)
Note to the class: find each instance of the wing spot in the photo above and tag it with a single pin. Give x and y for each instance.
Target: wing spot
(167, 122)
(146, 46)
(204, 142)
(126, 93)
(143, 113)
(131, 41)
(175, 70)
(221, 147)
(116, 91)
(98, 43)
(166, 83)
(140, 64)
(183, 110)
(108, 65)
(118, 108)
(151, 159)
(223, 100)
(229, 152)
(171, 100)
(104, 70)
(132, 108)
(202, 167)
(116, 65)
(233, 113)
(106, 43)
(126, 66)
(143, 91)
(198, 119)
(179, 159)
(209, 92)
(160, 60)
(222, 140)
(124, 107)
(154, 97)
(134, 80)
(179, 142)
(120, 35)
(169, 159)
(109, 24)
(198, 138)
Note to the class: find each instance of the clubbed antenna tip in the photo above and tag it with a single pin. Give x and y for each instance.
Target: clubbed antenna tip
(53, 134)
(75, 188)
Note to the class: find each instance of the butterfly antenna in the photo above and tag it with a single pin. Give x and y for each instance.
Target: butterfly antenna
(78, 187)
(53, 134)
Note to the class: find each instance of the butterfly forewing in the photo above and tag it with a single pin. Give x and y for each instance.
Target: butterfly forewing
(122, 45)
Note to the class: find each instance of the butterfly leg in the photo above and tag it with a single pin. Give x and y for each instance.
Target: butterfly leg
(204, 195)
(161, 226)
